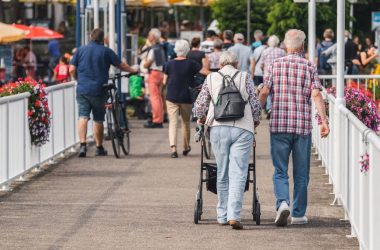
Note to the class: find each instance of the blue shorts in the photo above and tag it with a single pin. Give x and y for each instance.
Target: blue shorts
(94, 104)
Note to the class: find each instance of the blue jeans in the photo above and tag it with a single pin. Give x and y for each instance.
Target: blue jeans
(282, 144)
(232, 148)
(268, 105)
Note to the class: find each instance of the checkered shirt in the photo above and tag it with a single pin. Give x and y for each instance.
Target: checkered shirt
(291, 80)
(269, 55)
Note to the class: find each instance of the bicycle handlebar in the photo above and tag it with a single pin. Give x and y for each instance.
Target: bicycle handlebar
(120, 75)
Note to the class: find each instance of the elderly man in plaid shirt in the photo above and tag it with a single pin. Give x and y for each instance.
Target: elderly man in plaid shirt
(293, 81)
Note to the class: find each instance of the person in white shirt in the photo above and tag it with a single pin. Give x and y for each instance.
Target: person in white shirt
(208, 45)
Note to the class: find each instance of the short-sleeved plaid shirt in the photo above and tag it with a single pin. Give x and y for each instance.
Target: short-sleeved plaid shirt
(291, 80)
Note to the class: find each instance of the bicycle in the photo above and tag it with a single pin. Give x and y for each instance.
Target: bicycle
(117, 122)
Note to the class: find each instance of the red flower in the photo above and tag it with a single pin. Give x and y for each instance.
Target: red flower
(30, 112)
(37, 103)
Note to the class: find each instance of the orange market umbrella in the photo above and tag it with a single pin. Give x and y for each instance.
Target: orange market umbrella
(9, 34)
(38, 33)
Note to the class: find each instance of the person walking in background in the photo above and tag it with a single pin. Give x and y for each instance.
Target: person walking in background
(231, 140)
(179, 77)
(350, 55)
(54, 52)
(208, 45)
(269, 55)
(61, 71)
(324, 68)
(242, 52)
(199, 57)
(293, 81)
(213, 58)
(256, 61)
(228, 37)
(259, 36)
(154, 63)
(30, 60)
(92, 63)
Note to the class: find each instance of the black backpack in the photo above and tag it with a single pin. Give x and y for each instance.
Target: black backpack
(230, 105)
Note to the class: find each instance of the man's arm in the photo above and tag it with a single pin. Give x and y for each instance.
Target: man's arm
(253, 66)
(321, 108)
(125, 67)
(264, 93)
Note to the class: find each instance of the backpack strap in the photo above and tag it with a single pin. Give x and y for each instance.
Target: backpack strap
(227, 77)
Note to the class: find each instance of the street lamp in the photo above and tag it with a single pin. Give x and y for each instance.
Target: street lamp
(202, 3)
(352, 2)
(312, 24)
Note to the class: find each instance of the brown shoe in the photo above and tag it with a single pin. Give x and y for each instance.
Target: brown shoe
(235, 224)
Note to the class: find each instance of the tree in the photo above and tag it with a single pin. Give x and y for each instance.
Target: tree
(231, 14)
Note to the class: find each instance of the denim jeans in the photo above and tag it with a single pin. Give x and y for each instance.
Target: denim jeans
(268, 105)
(232, 148)
(282, 144)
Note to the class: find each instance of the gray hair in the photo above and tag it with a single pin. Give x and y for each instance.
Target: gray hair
(273, 41)
(156, 33)
(258, 34)
(181, 47)
(294, 39)
(238, 38)
(228, 58)
(218, 44)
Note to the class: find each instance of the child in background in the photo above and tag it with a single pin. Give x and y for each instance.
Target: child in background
(61, 71)
(137, 96)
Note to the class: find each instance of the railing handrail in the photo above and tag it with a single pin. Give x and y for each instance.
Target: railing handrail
(60, 86)
(12, 98)
(366, 77)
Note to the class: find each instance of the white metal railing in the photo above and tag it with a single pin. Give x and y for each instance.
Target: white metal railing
(360, 80)
(357, 192)
(17, 155)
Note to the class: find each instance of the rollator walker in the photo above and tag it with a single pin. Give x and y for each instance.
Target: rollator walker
(208, 175)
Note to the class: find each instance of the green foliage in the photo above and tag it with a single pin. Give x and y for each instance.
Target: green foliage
(231, 14)
(286, 14)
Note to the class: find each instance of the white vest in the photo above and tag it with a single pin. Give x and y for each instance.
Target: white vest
(215, 84)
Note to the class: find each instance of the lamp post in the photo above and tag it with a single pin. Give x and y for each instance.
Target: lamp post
(249, 21)
(351, 25)
(202, 3)
(311, 25)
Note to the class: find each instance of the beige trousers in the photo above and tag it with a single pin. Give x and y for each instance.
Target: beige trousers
(184, 110)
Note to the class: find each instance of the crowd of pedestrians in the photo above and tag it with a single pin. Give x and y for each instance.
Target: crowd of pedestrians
(265, 75)
(359, 59)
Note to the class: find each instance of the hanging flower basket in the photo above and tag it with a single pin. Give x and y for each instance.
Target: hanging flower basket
(360, 103)
(39, 116)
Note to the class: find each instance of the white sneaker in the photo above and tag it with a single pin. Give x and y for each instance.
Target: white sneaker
(283, 213)
(299, 220)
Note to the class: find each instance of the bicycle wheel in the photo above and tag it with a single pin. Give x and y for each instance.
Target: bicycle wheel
(123, 133)
(115, 128)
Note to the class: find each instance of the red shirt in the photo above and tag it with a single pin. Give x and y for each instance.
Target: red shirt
(62, 72)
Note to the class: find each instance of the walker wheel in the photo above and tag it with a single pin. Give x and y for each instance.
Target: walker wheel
(257, 213)
(197, 212)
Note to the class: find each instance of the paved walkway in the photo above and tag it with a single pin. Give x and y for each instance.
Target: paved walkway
(146, 201)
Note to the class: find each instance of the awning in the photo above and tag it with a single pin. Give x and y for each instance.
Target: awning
(9, 34)
(38, 33)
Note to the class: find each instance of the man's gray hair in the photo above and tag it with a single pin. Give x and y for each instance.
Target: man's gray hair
(294, 39)
(181, 47)
(273, 41)
(258, 34)
(228, 58)
(156, 33)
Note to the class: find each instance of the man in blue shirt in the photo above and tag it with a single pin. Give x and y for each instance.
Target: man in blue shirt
(55, 54)
(92, 63)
